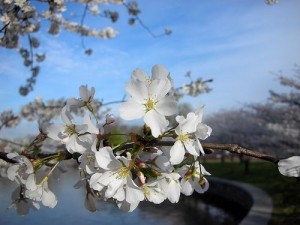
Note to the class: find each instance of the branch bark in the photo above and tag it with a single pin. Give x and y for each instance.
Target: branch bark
(208, 148)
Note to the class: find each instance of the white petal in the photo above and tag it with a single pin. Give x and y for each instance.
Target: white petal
(190, 147)
(120, 194)
(66, 116)
(203, 131)
(30, 183)
(138, 90)
(140, 75)
(163, 163)
(134, 194)
(75, 145)
(12, 171)
(290, 167)
(73, 102)
(91, 128)
(202, 169)
(180, 119)
(174, 191)
(48, 198)
(159, 72)
(166, 106)
(199, 113)
(12, 155)
(55, 132)
(200, 147)
(186, 187)
(177, 153)
(159, 88)
(190, 123)
(155, 194)
(83, 92)
(157, 122)
(131, 110)
(199, 188)
(106, 159)
(114, 185)
(127, 207)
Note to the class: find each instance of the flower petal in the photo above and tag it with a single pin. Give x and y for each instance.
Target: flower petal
(159, 88)
(190, 147)
(203, 131)
(177, 153)
(138, 90)
(140, 75)
(290, 167)
(134, 194)
(166, 106)
(157, 122)
(54, 131)
(186, 187)
(131, 110)
(106, 159)
(159, 72)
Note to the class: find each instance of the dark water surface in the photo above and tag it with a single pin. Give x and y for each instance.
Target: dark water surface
(70, 210)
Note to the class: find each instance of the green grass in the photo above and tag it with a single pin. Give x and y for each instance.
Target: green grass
(285, 192)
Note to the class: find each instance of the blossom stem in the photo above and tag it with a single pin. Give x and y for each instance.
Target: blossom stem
(49, 173)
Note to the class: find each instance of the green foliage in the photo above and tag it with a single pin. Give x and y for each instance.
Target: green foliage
(283, 190)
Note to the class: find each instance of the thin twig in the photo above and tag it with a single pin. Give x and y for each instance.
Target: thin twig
(81, 23)
(4, 27)
(143, 25)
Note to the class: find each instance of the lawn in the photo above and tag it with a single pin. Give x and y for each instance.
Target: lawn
(285, 192)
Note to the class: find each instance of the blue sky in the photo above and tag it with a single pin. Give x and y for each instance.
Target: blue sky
(238, 43)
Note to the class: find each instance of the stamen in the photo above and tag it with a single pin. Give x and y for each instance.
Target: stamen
(70, 130)
(122, 173)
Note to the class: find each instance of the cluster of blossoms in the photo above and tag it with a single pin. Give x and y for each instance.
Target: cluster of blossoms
(159, 163)
(140, 168)
(23, 18)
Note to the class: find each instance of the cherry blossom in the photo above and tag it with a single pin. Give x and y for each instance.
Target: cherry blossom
(40, 192)
(189, 131)
(149, 100)
(193, 179)
(20, 171)
(74, 136)
(290, 167)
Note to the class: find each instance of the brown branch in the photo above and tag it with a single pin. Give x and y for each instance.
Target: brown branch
(232, 148)
(3, 156)
(208, 148)
(63, 155)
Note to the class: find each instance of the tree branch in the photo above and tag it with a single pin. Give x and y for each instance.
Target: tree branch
(232, 148)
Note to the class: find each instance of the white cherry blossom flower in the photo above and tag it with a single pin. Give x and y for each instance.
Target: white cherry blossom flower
(158, 72)
(170, 185)
(133, 196)
(189, 131)
(88, 159)
(74, 136)
(202, 130)
(193, 179)
(40, 193)
(116, 179)
(153, 193)
(290, 167)
(150, 101)
(184, 140)
(86, 98)
(19, 171)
